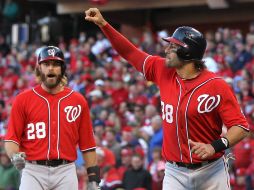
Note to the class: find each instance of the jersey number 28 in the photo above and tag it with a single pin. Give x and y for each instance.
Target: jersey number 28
(37, 130)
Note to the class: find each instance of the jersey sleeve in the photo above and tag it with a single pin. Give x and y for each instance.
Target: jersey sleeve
(150, 66)
(230, 111)
(124, 47)
(86, 135)
(16, 121)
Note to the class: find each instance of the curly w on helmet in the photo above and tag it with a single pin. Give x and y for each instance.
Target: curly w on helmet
(54, 53)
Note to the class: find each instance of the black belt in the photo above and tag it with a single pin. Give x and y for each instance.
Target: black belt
(193, 166)
(52, 163)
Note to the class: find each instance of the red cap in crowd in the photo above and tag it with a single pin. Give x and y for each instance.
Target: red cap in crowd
(139, 150)
(126, 152)
(87, 77)
(127, 129)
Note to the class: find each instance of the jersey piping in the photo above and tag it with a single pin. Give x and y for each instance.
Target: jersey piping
(243, 128)
(88, 149)
(58, 123)
(12, 141)
(48, 118)
(144, 65)
(177, 126)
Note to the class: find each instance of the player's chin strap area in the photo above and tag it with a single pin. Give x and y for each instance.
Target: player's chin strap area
(93, 173)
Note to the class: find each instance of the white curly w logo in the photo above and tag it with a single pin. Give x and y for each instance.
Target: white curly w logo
(51, 52)
(72, 113)
(208, 103)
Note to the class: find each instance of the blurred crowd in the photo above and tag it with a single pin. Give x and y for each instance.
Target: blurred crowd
(125, 108)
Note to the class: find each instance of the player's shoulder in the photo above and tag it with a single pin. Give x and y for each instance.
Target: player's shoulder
(25, 94)
(75, 94)
(215, 80)
(155, 59)
(213, 77)
(23, 97)
(158, 63)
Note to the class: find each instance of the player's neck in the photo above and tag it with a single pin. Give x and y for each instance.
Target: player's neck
(188, 71)
(55, 90)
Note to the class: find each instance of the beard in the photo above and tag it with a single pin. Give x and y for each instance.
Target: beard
(174, 62)
(51, 82)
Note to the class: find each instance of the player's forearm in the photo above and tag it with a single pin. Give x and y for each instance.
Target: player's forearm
(11, 148)
(90, 158)
(235, 134)
(93, 171)
(124, 47)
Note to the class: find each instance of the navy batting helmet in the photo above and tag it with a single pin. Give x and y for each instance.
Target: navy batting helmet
(52, 53)
(192, 43)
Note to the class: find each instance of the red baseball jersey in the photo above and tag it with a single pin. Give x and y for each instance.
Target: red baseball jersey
(50, 126)
(193, 109)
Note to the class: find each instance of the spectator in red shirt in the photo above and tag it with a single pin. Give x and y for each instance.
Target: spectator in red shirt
(126, 154)
(119, 94)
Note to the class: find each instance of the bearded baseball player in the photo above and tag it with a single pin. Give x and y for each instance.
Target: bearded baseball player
(195, 104)
(46, 125)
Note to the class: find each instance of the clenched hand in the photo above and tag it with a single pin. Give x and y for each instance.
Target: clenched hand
(94, 15)
(202, 150)
(18, 160)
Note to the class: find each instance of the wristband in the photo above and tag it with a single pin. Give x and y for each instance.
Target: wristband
(220, 144)
(93, 174)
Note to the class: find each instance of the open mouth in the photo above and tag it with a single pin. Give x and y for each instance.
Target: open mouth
(51, 76)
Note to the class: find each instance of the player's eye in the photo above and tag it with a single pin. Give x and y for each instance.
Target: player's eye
(45, 64)
(57, 64)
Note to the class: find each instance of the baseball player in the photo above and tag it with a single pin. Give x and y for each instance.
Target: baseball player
(195, 104)
(46, 125)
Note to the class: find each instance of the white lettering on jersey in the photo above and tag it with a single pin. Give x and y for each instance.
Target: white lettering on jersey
(167, 112)
(37, 130)
(51, 52)
(208, 102)
(72, 113)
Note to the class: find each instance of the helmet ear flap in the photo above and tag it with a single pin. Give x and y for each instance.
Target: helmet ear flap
(183, 53)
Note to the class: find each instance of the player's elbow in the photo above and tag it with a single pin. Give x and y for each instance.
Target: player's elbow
(245, 133)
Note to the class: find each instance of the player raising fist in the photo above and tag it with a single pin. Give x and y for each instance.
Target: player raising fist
(195, 105)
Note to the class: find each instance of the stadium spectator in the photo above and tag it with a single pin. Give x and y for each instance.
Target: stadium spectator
(137, 176)
(9, 179)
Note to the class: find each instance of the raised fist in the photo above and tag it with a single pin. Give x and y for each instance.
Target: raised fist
(94, 15)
